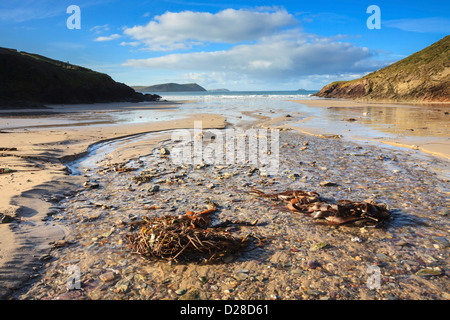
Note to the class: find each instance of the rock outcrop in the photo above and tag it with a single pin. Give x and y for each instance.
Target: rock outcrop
(30, 80)
(422, 77)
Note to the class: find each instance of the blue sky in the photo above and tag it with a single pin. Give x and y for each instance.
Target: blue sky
(239, 45)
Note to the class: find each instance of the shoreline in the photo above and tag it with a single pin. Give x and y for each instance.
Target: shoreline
(40, 173)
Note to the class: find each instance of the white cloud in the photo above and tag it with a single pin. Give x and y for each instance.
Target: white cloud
(275, 57)
(261, 45)
(182, 30)
(108, 38)
(132, 43)
(100, 29)
(423, 25)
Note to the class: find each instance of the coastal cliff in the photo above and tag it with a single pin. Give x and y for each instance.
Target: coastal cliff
(422, 77)
(30, 80)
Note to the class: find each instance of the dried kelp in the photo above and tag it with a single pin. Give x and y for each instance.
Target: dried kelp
(185, 238)
(367, 212)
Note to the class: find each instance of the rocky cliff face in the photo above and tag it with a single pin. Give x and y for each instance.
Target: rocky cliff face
(422, 77)
(30, 80)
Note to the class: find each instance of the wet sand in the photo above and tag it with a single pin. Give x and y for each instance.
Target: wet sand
(52, 205)
(419, 127)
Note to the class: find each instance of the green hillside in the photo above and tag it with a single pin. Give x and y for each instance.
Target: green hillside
(422, 77)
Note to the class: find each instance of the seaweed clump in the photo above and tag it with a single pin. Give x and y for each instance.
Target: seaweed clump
(364, 213)
(185, 238)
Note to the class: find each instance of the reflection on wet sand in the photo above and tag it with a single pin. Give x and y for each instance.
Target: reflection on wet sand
(399, 120)
(422, 127)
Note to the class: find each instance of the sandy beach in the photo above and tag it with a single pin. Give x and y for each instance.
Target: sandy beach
(39, 172)
(41, 187)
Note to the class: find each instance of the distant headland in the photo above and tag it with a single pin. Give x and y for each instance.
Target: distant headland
(170, 87)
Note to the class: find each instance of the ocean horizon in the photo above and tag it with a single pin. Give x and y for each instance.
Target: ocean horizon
(300, 94)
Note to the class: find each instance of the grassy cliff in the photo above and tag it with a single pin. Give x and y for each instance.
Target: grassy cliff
(31, 80)
(422, 77)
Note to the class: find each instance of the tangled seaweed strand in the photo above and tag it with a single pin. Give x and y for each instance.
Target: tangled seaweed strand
(367, 212)
(185, 238)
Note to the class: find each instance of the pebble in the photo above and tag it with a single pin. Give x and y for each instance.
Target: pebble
(180, 291)
(91, 185)
(164, 151)
(154, 188)
(312, 264)
(6, 219)
(108, 276)
(319, 246)
(293, 176)
(442, 242)
(328, 184)
(429, 272)
(122, 286)
(241, 276)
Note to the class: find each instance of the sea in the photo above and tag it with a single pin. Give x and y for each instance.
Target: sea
(368, 121)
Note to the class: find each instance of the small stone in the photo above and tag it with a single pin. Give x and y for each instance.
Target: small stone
(6, 219)
(241, 276)
(61, 243)
(319, 246)
(328, 184)
(314, 292)
(45, 257)
(122, 286)
(200, 166)
(442, 242)
(293, 176)
(444, 213)
(90, 185)
(153, 188)
(180, 292)
(297, 271)
(192, 294)
(108, 276)
(312, 264)
(429, 272)
(383, 257)
(164, 151)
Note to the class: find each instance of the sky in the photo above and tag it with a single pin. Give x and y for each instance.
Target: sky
(237, 45)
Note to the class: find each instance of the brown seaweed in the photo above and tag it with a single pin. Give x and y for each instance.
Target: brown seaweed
(186, 238)
(366, 212)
